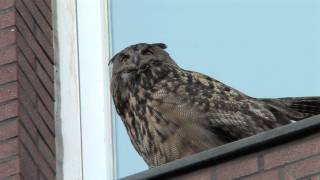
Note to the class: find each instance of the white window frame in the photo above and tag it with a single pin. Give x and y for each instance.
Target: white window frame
(83, 102)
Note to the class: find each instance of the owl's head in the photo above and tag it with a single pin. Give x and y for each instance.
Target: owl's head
(139, 57)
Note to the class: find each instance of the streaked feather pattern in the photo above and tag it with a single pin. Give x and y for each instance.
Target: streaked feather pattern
(170, 112)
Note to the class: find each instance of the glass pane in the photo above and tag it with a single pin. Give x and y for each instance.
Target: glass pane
(267, 48)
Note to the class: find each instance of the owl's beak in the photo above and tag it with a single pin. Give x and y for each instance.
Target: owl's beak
(143, 67)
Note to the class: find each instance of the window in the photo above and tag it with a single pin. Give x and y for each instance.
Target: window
(263, 48)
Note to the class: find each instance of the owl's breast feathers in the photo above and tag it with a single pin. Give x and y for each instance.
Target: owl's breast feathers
(170, 113)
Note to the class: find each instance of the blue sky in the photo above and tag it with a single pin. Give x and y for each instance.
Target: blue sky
(265, 48)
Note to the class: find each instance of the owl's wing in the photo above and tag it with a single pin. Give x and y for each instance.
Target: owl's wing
(199, 101)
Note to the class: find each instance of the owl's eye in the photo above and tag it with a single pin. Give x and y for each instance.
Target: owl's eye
(147, 52)
(124, 58)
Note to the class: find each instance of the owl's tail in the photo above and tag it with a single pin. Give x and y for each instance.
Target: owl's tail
(296, 108)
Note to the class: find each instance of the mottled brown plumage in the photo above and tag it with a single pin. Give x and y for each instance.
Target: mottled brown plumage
(170, 113)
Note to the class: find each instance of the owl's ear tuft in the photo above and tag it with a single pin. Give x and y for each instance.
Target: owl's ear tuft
(160, 45)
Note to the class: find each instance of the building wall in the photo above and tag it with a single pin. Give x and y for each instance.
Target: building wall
(27, 128)
(299, 159)
(27, 132)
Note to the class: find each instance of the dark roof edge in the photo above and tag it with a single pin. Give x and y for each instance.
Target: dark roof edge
(258, 142)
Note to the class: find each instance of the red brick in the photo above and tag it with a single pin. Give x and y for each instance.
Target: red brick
(45, 44)
(7, 19)
(40, 19)
(8, 110)
(44, 10)
(8, 73)
(35, 154)
(292, 151)
(42, 177)
(27, 87)
(26, 51)
(42, 128)
(7, 37)
(48, 3)
(32, 77)
(237, 168)
(25, 14)
(28, 168)
(26, 91)
(14, 177)
(4, 4)
(9, 168)
(46, 116)
(47, 154)
(35, 29)
(203, 174)
(48, 83)
(315, 177)
(43, 59)
(8, 55)
(266, 175)
(8, 92)
(302, 168)
(27, 122)
(9, 148)
(8, 129)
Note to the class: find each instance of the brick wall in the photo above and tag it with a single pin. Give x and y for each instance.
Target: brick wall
(27, 136)
(298, 159)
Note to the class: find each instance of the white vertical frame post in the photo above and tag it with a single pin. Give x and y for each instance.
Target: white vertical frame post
(96, 118)
(67, 88)
(84, 119)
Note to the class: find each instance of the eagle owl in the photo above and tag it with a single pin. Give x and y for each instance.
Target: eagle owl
(170, 112)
